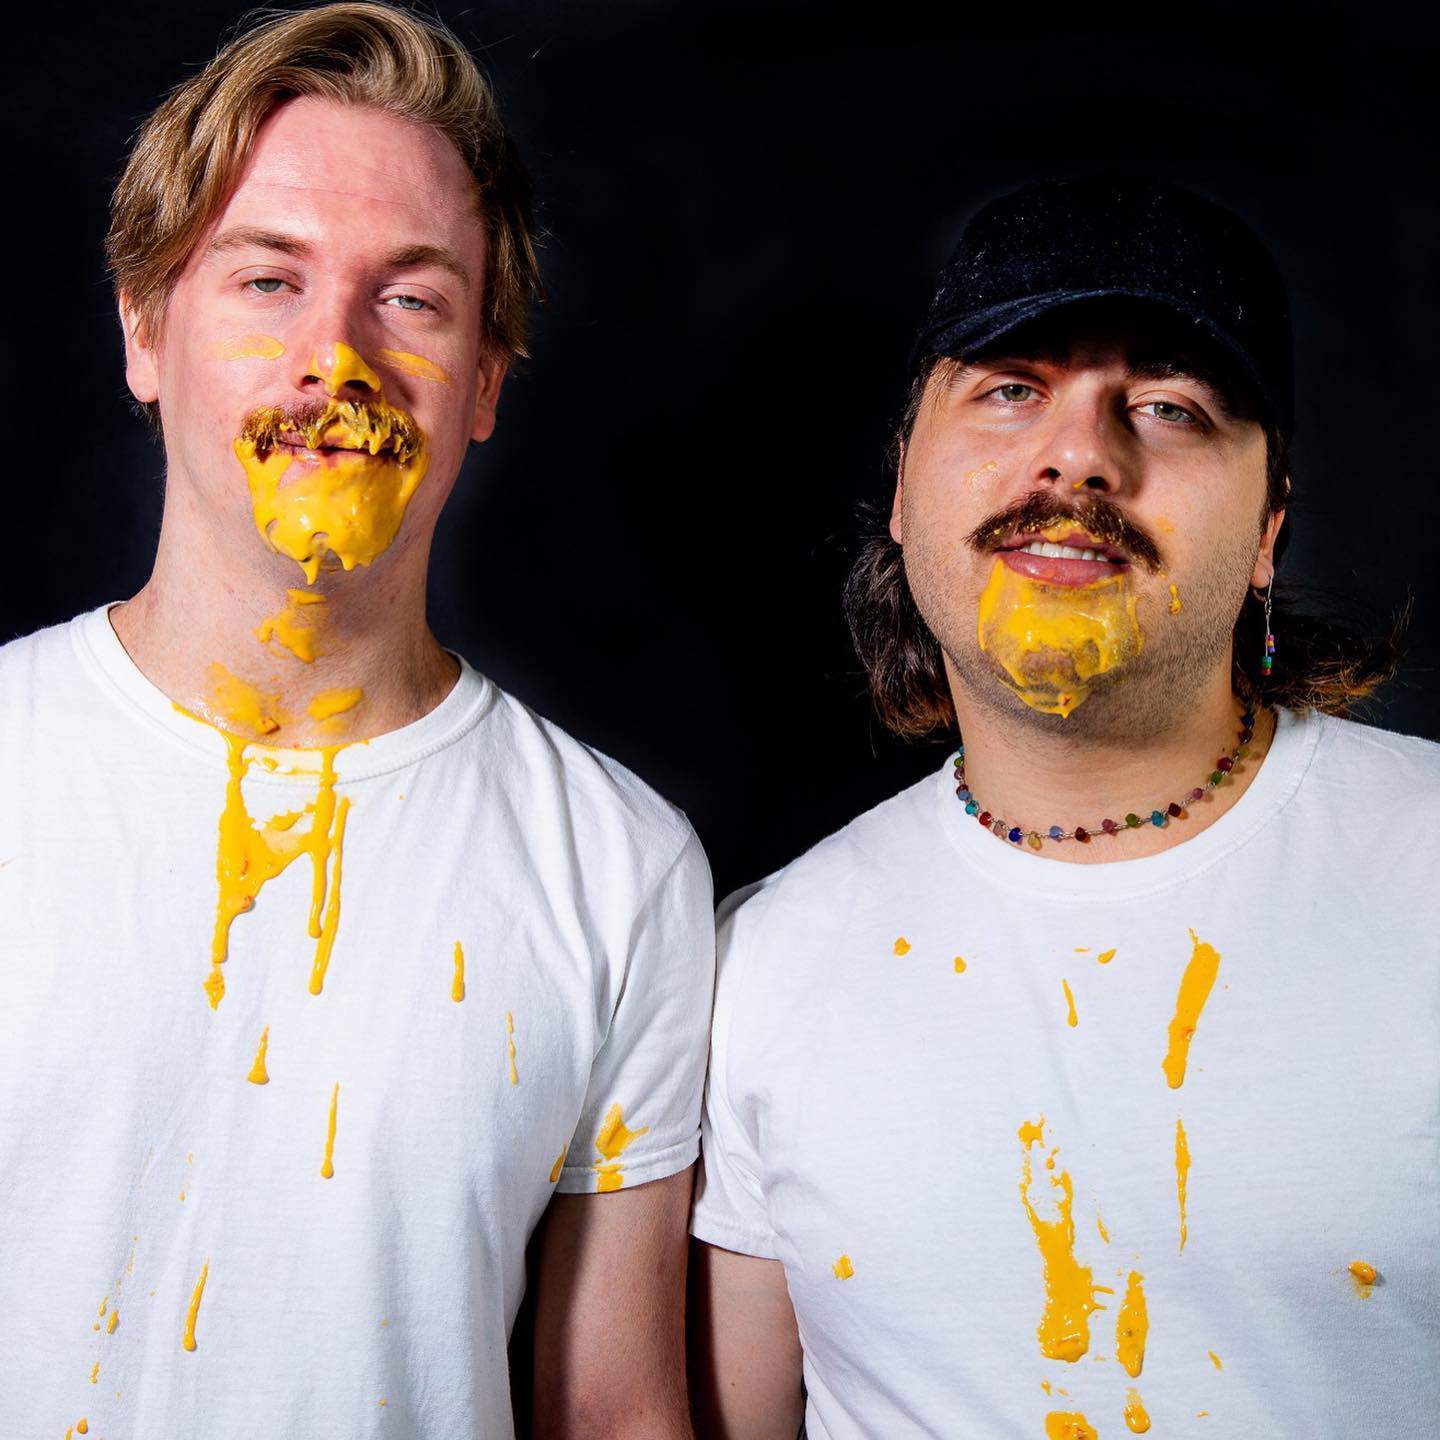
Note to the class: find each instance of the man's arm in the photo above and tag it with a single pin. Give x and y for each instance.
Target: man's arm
(744, 1348)
(609, 1315)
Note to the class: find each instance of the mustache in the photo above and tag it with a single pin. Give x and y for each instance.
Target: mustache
(372, 425)
(1101, 518)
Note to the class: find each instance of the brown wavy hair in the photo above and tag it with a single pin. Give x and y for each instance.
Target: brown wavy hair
(1325, 664)
(189, 153)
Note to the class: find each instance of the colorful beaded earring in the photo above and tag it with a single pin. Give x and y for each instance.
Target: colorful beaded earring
(1267, 661)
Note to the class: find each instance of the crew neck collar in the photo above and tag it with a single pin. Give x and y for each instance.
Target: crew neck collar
(1015, 868)
(100, 651)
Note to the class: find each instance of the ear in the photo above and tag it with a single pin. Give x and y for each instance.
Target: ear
(1265, 560)
(897, 526)
(142, 368)
(487, 397)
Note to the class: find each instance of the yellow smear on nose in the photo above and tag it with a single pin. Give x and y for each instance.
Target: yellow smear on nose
(843, 1268)
(327, 1165)
(351, 508)
(293, 628)
(1132, 1325)
(1071, 1018)
(249, 347)
(1053, 641)
(612, 1141)
(242, 704)
(329, 703)
(1069, 1425)
(1175, 606)
(1195, 987)
(258, 1074)
(1365, 1276)
(339, 365)
(902, 946)
(457, 981)
(188, 1339)
(558, 1166)
(1182, 1176)
(250, 856)
(1064, 1329)
(1136, 1416)
(510, 1041)
(416, 365)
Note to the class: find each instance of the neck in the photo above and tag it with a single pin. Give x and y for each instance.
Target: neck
(1040, 774)
(193, 627)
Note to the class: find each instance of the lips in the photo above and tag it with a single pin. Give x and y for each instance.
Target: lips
(1063, 556)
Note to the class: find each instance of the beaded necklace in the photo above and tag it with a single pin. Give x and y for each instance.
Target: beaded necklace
(1173, 810)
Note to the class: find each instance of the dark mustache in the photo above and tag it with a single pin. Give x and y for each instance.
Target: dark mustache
(1039, 510)
(364, 422)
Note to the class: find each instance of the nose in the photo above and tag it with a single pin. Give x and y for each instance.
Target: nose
(341, 370)
(1082, 449)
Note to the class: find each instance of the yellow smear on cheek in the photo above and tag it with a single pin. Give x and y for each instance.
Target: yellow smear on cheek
(258, 1074)
(843, 1268)
(1175, 606)
(329, 703)
(327, 1165)
(1195, 987)
(510, 1041)
(1069, 1425)
(249, 347)
(1132, 1325)
(612, 1141)
(297, 626)
(240, 703)
(1071, 1018)
(1064, 1329)
(1182, 1176)
(351, 508)
(457, 980)
(558, 1166)
(416, 365)
(1054, 641)
(192, 1314)
(1136, 1416)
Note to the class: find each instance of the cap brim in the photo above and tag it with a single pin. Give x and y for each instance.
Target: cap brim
(975, 332)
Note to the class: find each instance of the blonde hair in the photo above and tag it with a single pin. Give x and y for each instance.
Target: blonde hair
(189, 153)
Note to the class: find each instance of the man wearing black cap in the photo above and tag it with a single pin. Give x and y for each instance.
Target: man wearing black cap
(1116, 1040)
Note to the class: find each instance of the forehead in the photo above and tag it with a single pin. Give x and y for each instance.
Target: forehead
(320, 165)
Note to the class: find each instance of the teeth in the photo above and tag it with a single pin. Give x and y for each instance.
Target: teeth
(1063, 552)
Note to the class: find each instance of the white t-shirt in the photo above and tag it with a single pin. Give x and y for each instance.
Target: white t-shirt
(136, 1155)
(896, 1005)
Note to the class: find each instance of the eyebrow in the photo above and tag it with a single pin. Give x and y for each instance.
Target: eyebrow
(250, 237)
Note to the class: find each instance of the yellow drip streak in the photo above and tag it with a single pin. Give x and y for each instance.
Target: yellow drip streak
(510, 1041)
(1214, 1359)
(327, 1165)
(1195, 987)
(612, 1140)
(95, 1373)
(1071, 1018)
(188, 1339)
(114, 1321)
(558, 1166)
(1136, 1416)
(1132, 1326)
(258, 1074)
(1069, 1425)
(326, 936)
(1182, 1175)
(457, 981)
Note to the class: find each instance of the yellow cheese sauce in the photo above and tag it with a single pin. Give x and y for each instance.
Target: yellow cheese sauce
(902, 946)
(510, 1042)
(259, 1075)
(1175, 605)
(1132, 1325)
(1064, 1329)
(1195, 987)
(843, 1268)
(1135, 1414)
(351, 506)
(1071, 1017)
(1069, 1425)
(187, 1340)
(559, 1165)
(457, 980)
(612, 1141)
(1182, 1177)
(241, 704)
(249, 347)
(416, 365)
(330, 703)
(1364, 1275)
(327, 1165)
(1053, 641)
(297, 628)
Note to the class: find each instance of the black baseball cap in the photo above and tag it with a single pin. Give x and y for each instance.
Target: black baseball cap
(1058, 242)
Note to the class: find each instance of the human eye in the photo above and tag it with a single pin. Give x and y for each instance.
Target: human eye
(260, 282)
(412, 303)
(1013, 392)
(1169, 412)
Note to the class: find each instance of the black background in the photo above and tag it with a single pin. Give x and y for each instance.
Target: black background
(745, 207)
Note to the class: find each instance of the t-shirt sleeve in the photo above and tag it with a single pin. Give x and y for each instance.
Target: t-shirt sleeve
(729, 1209)
(641, 1119)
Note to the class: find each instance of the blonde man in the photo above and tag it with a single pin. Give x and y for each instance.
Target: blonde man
(275, 1141)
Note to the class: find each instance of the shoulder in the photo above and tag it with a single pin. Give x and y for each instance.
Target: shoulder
(32, 652)
(1371, 762)
(38, 667)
